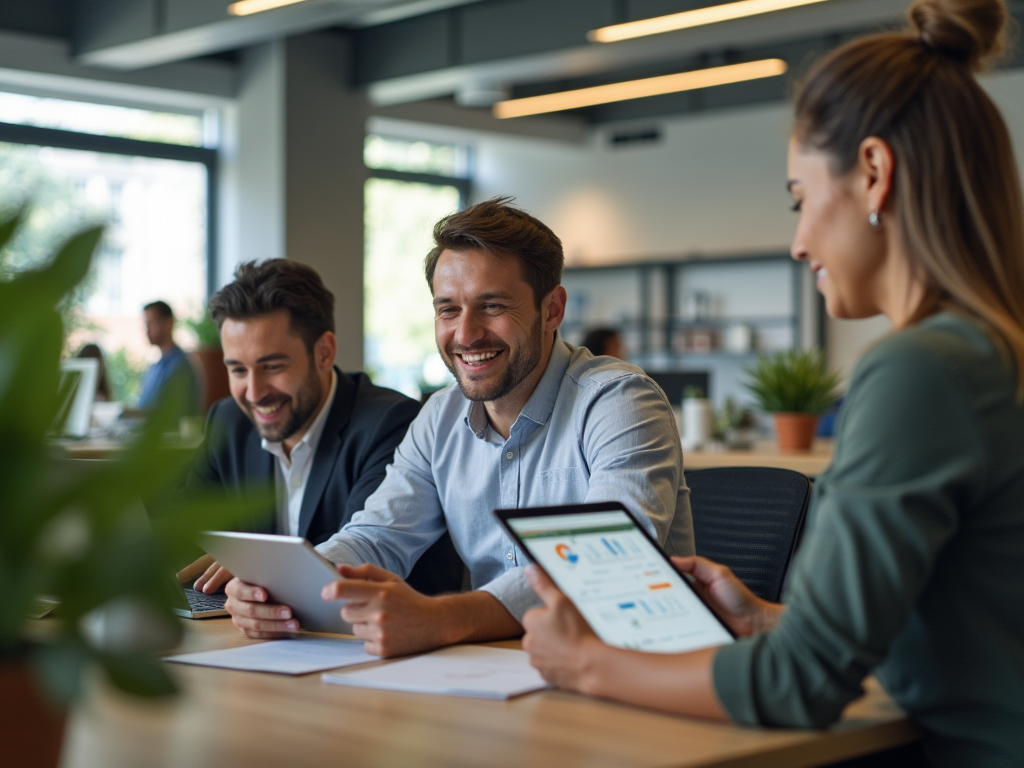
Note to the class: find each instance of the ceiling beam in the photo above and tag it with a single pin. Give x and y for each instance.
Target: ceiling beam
(588, 59)
(134, 34)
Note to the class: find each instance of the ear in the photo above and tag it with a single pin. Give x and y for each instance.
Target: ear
(324, 350)
(876, 164)
(552, 308)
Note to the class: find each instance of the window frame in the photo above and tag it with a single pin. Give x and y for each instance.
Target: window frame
(464, 184)
(13, 133)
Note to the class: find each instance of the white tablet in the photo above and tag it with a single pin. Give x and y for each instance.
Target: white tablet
(617, 576)
(292, 572)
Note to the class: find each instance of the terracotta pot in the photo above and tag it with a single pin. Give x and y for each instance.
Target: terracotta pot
(215, 376)
(795, 431)
(31, 726)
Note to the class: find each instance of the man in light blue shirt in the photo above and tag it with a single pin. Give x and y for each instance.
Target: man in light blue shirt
(532, 422)
(160, 332)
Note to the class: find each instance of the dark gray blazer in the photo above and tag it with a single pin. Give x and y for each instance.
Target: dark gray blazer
(365, 425)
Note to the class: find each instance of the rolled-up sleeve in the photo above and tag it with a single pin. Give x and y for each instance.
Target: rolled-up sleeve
(513, 591)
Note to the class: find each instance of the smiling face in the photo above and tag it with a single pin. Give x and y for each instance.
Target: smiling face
(845, 253)
(274, 379)
(489, 331)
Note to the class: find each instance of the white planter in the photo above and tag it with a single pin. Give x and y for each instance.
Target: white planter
(697, 418)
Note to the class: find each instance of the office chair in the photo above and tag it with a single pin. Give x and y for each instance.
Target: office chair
(750, 519)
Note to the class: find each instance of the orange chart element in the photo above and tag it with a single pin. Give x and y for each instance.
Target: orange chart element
(666, 585)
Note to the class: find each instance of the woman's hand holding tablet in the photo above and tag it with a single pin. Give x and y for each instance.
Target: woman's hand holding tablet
(617, 577)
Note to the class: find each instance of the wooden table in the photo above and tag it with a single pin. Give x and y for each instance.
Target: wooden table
(229, 718)
(811, 463)
(105, 448)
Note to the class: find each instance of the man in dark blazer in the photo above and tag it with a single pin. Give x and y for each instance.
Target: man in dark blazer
(321, 437)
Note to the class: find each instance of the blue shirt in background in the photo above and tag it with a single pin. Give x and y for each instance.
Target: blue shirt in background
(594, 429)
(160, 373)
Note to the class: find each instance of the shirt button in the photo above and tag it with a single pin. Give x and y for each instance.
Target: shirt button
(297, 483)
(510, 455)
(510, 556)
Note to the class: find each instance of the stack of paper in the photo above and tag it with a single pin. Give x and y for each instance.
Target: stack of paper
(461, 670)
(290, 657)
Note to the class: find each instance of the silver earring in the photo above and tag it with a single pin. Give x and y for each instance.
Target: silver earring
(874, 220)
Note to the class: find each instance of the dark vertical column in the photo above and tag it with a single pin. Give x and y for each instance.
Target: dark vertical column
(324, 177)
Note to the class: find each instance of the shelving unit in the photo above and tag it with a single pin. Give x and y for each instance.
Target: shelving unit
(654, 305)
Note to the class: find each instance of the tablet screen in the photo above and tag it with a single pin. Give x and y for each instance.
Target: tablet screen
(627, 591)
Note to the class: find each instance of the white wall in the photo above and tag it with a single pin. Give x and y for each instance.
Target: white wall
(715, 184)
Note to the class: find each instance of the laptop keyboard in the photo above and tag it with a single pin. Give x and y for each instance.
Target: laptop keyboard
(198, 601)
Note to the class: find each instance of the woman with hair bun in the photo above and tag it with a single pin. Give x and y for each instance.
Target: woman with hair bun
(903, 174)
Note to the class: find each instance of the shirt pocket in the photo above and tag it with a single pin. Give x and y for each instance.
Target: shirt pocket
(562, 481)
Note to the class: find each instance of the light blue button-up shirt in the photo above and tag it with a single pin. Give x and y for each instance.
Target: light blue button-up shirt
(594, 429)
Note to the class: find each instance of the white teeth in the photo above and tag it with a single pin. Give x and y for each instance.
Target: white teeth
(479, 358)
(269, 409)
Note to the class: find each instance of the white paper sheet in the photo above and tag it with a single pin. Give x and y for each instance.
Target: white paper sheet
(288, 657)
(461, 670)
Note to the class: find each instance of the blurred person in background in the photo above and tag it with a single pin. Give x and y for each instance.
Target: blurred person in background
(604, 341)
(160, 331)
(103, 391)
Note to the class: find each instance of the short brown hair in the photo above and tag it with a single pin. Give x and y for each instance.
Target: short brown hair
(501, 229)
(956, 195)
(161, 309)
(272, 285)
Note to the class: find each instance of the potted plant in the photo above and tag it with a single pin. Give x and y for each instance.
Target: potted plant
(796, 387)
(75, 531)
(734, 426)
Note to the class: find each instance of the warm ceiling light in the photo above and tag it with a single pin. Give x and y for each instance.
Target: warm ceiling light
(246, 7)
(688, 19)
(638, 89)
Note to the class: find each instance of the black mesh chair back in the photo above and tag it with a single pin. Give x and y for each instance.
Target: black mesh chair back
(750, 519)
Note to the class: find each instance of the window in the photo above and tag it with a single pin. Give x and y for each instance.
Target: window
(412, 185)
(146, 176)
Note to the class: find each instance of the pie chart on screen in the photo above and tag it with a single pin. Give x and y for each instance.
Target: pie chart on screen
(564, 552)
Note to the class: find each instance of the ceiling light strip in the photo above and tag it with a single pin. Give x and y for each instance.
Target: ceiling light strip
(695, 18)
(638, 89)
(247, 7)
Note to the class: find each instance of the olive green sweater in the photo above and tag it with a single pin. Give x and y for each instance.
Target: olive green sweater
(913, 565)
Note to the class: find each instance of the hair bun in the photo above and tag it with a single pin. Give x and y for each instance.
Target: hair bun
(970, 31)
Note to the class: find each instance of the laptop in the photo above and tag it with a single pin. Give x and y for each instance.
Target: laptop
(77, 394)
(196, 605)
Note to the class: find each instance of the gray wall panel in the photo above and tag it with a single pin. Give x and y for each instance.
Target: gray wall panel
(403, 48)
(102, 23)
(520, 27)
(183, 14)
(39, 17)
(324, 175)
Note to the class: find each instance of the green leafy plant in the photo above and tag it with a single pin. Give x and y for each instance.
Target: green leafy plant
(75, 530)
(205, 330)
(731, 417)
(793, 381)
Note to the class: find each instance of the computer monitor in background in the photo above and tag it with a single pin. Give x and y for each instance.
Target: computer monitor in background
(77, 394)
(675, 383)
